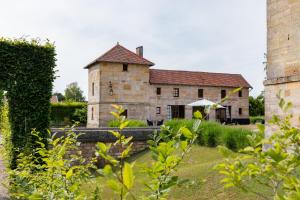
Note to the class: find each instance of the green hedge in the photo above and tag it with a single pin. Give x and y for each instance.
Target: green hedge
(27, 74)
(257, 119)
(212, 134)
(66, 113)
(132, 123)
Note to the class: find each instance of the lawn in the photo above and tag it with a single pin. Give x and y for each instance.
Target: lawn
(196, 167)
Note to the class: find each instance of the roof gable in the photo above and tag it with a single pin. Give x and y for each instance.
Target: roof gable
(173, 77)
(119, 54)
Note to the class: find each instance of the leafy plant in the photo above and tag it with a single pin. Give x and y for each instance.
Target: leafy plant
(168, 149)
(54, 173)
(271, 162)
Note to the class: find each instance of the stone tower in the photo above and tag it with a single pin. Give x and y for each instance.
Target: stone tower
(283, 56)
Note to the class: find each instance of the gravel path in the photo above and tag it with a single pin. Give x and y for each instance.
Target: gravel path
(3, 190)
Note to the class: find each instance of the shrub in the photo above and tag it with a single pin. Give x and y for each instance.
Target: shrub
(59, 175)
(131, 123)
(65, 113)
(212, 134)
(272, 162)
(257, 119)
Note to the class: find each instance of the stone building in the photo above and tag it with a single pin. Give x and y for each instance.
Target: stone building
(125, 78)
(283, 56)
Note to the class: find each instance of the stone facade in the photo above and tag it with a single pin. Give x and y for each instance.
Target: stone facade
(132, 90)
(283, 56)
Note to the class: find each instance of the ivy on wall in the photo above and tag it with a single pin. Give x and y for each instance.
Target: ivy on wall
(27, 74)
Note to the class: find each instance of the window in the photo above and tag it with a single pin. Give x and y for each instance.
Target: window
(240, 111)
(240, 93)
(175, 92)
(92, 117)
(158, 91)
(93, 89)
(200, 93)
(125, 67)
(223, 94)
(158, 110)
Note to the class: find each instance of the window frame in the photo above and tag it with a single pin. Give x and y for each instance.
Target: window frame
(125, 67)
(240, 93)
(175, 92)
(223, 96)
(158, 110)
(240, 111)
(202, 93)
(158, 91)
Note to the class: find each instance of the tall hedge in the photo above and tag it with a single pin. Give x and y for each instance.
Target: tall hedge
(65, 113)
(27, 74)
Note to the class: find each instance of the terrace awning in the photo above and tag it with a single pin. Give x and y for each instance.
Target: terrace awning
(205, 103)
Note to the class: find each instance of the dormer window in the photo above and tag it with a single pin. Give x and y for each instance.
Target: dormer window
(125, 67)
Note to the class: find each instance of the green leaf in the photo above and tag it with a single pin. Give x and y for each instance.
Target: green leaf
(183, 145)
(197, 115)
(128, 177)
(124, 124)
(107, 170)
(69, 173)
(102, 147)
(186, 132)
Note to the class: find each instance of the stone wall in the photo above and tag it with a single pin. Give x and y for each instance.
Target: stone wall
(91, 137)
(283, 60)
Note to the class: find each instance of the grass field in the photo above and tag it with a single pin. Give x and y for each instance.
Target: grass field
(197, 167)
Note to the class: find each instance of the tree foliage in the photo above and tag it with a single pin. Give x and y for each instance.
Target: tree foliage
(257, 105)
(74, 93)
(27, 74)
(60, 96)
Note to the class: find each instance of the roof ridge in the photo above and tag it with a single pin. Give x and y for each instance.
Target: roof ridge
(193, 71)
(120, 54)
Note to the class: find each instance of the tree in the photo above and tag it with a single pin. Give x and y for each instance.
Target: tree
(60, 96)
(74, 93)
(257, 105)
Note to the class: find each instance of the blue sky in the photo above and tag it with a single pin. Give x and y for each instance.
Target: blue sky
(200, 35)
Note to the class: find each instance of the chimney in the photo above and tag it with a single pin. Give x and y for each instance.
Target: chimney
(139, 51)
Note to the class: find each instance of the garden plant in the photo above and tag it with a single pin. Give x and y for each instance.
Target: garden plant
(273, 162)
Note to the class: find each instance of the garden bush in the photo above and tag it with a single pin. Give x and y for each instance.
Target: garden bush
(131, 123)
(257, 119)
(65, 113)
(212, 134)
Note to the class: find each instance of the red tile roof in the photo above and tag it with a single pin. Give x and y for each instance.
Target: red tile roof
(119, 54)
(172, 77)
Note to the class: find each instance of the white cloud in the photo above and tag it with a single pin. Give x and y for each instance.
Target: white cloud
(216, 35)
